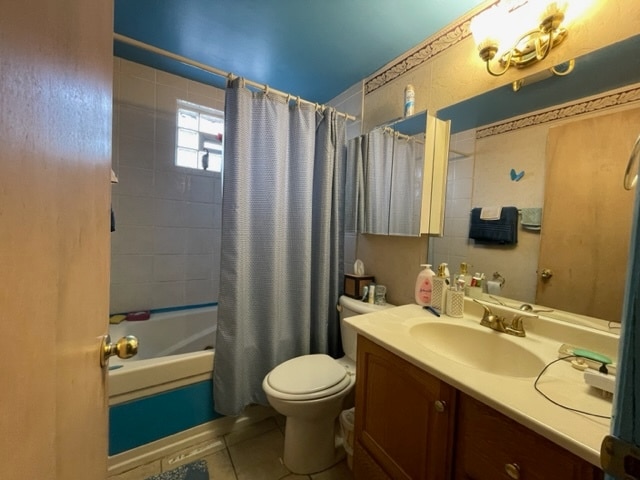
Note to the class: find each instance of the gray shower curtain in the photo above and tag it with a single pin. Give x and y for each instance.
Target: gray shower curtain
(377, 174)
(282, 240)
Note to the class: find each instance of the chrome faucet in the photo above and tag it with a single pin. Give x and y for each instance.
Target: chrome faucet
(498, 323)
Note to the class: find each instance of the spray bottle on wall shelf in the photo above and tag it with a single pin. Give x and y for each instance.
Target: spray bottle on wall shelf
(424, 286)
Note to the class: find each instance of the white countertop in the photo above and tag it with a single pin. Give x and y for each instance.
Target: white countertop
(515, 397)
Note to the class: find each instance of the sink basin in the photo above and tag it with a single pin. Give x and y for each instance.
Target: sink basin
(483, 349)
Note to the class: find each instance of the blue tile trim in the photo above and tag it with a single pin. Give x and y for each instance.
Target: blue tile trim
(147, 419)
(183, 307)
(175, 309)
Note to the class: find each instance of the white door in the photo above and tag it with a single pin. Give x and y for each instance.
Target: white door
(55, 155)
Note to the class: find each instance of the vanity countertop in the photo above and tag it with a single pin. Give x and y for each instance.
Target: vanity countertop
(513, 396)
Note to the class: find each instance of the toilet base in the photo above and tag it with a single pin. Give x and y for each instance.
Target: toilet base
(310, 445)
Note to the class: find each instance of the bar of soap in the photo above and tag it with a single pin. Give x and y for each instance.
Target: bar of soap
(115, 319)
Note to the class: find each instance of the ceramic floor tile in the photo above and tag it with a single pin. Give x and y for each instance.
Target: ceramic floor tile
(259, 458)
(293, 476)
(220, 466)
(250, 431)
(281, 420)
(337, 472)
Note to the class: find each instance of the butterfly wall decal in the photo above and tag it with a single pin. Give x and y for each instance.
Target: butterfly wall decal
(516, 176)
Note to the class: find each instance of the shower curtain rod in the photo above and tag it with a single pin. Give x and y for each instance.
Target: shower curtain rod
(215, 71)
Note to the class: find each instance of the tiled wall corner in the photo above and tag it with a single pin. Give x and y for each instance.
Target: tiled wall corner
(166, 247)
(350, 101)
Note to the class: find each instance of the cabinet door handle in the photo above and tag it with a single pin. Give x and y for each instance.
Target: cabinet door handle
(440, 405)
(513, 470)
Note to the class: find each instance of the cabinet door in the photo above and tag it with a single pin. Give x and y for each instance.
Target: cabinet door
(403, 418)
(491, 446)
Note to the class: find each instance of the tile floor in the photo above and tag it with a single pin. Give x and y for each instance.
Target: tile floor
(255, 453)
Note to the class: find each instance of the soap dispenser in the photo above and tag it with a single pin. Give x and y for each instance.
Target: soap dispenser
(464, 274)
(424, 286)
(440, 285)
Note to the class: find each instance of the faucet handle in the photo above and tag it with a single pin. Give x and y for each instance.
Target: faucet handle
(487, 310)
(517, 326)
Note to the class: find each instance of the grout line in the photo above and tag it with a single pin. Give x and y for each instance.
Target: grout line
(233, 465)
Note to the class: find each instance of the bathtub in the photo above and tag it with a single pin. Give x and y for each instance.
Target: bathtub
(169, 333)
(169, 378)
(161, 406)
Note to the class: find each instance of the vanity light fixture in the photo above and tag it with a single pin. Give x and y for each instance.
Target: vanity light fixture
(498, 33)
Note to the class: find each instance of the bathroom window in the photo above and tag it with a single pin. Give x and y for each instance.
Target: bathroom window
(199, 137)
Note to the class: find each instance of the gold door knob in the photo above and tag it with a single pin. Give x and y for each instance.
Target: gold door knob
(546, 274)
(126, 347)
(512, 470)
(440, 405)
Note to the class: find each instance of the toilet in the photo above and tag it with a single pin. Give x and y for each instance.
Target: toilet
(311, 391)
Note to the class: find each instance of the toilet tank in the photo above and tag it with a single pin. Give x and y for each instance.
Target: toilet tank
(350, 307)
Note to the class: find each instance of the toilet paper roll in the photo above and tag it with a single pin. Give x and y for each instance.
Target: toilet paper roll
(493, 287)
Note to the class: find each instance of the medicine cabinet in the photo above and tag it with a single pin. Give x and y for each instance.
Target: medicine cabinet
(397, 178)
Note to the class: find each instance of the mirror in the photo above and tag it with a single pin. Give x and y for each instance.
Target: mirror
(396, 178)
(524, 150)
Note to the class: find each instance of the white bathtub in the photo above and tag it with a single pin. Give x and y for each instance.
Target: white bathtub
(170, 333)
(175, 349)
(161, 368)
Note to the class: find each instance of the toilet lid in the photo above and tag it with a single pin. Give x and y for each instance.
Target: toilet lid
(309, 375)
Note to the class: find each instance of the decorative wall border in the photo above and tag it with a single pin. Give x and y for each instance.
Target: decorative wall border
(432, 46)
(616, 98)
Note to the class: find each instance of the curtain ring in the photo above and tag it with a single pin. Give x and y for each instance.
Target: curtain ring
(266, 89)
(288, 98)
(298, 100)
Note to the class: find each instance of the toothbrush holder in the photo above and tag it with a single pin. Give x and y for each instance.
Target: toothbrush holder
(454, 303)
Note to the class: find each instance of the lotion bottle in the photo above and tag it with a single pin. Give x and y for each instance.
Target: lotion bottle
(424, 286)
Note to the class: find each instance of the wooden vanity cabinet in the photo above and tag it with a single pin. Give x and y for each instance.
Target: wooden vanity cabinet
(404, 418)
(411, 425)
(490, 446)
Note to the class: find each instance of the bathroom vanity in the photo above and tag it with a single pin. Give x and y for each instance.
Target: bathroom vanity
(446, 415)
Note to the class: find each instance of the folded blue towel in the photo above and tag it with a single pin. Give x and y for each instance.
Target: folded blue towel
(499, 232)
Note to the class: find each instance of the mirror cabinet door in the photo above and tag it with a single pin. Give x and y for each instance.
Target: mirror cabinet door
(396, 182)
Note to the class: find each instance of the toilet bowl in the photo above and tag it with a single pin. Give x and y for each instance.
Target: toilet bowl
(311, 391)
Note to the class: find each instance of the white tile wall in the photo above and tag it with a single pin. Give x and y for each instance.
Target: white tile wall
(166, 247)
(452, 247)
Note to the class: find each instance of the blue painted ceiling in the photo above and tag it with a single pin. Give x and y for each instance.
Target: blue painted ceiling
(312, 48)
(319, 48)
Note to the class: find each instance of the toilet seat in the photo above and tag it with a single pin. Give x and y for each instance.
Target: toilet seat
(308, 377)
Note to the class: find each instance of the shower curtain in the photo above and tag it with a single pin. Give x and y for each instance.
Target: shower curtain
(626, 418)
(406, 187)
(377, 173)
(282, 240)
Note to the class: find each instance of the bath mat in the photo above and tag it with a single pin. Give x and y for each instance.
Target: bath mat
(190, 471)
